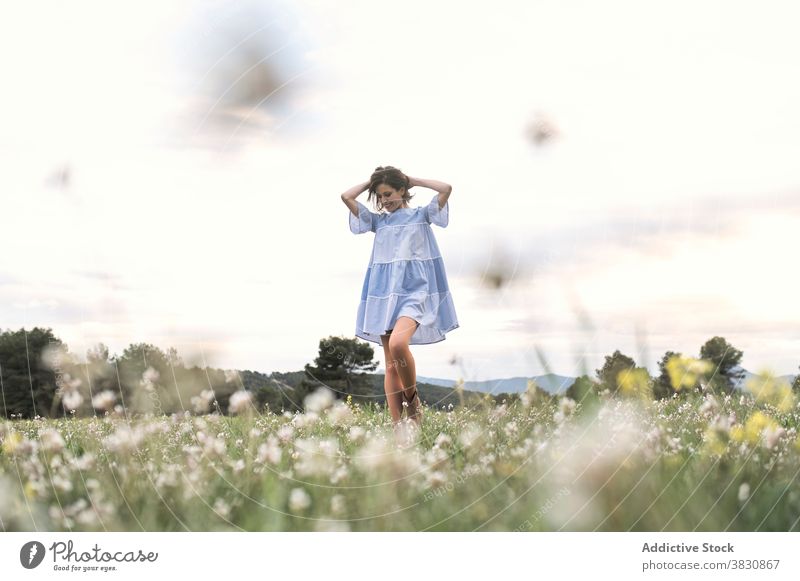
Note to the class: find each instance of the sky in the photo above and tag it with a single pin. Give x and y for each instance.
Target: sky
(172, 176)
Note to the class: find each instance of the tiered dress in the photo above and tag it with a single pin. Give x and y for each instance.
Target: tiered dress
(405, 275)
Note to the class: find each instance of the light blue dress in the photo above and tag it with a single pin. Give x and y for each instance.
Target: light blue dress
(406, 274)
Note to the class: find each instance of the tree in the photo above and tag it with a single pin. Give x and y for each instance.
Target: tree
(140, 392)
(97, 354)
(614, 364)
(582, 389)
(662, 388)
(724, 357)
(137, 357)
(28, 380)
(796, 383)
(341, 365)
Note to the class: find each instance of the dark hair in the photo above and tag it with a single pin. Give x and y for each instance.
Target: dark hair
(391, 176)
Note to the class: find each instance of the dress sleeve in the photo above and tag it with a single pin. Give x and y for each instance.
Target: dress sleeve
(365, 222)
(433, 215)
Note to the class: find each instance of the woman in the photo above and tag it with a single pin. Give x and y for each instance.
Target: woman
(405, 299)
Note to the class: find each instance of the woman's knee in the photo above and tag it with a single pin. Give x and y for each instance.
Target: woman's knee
(398, 347)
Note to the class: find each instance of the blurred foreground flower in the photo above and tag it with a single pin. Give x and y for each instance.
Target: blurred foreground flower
(772, 390)
(299, 500)
(319, 400)
(759, 426)
(240, 402)
(541, 129)
(684, 372)
(635, 382)
(202, 403)
(149, 379)
(104, 401)
(744, 492)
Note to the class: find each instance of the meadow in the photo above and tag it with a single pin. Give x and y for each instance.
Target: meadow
(692, 462)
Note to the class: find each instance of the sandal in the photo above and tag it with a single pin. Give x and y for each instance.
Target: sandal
(413, 406)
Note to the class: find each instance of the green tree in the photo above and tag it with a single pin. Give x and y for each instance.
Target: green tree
(796, 383)
(725, 357)
(582, 390)
(341, 365)
(662, 388)
(98, 375)
(160, 393)
(270, 391)
(614, 364)
(28, 381)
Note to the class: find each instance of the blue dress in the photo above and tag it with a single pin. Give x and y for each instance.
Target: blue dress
(405, 275)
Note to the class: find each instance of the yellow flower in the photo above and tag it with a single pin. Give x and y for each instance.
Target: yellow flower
(754, 428)
(685, 371)
(11, 443)
(30, 490)
(635, 382)
(715, 442)
(771, 389)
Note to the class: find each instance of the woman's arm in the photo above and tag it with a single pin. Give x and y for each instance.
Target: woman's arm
(443, 188)
(349, 197)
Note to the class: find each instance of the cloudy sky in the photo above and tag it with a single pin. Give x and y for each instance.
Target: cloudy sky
(172, 175)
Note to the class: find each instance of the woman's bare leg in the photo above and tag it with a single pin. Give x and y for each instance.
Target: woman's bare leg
(391, 384)
(401, 354)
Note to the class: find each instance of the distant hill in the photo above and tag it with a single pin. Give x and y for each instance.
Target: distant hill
(742, 383)
(550, 382)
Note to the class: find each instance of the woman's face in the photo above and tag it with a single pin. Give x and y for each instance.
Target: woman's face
(391, 198)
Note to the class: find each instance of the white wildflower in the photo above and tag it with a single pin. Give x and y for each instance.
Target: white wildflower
(436, 479)
(202, 403)
(744, 492)
(285, 432)
(305, 420)
(771, 435)
(240, 401)
(320, 400)
(316, 457)
(124, 439)
(338, 505)
(222, 508)
(356, 433)
(52, 440)
(270, 451)
(566, 405)
(442, 441)
(299, 500)
(469, 435)
(149, 379)
(710, 405)
(340, 413)
(510, 429)
(72, 400)
(436, 458)
(104, 400)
